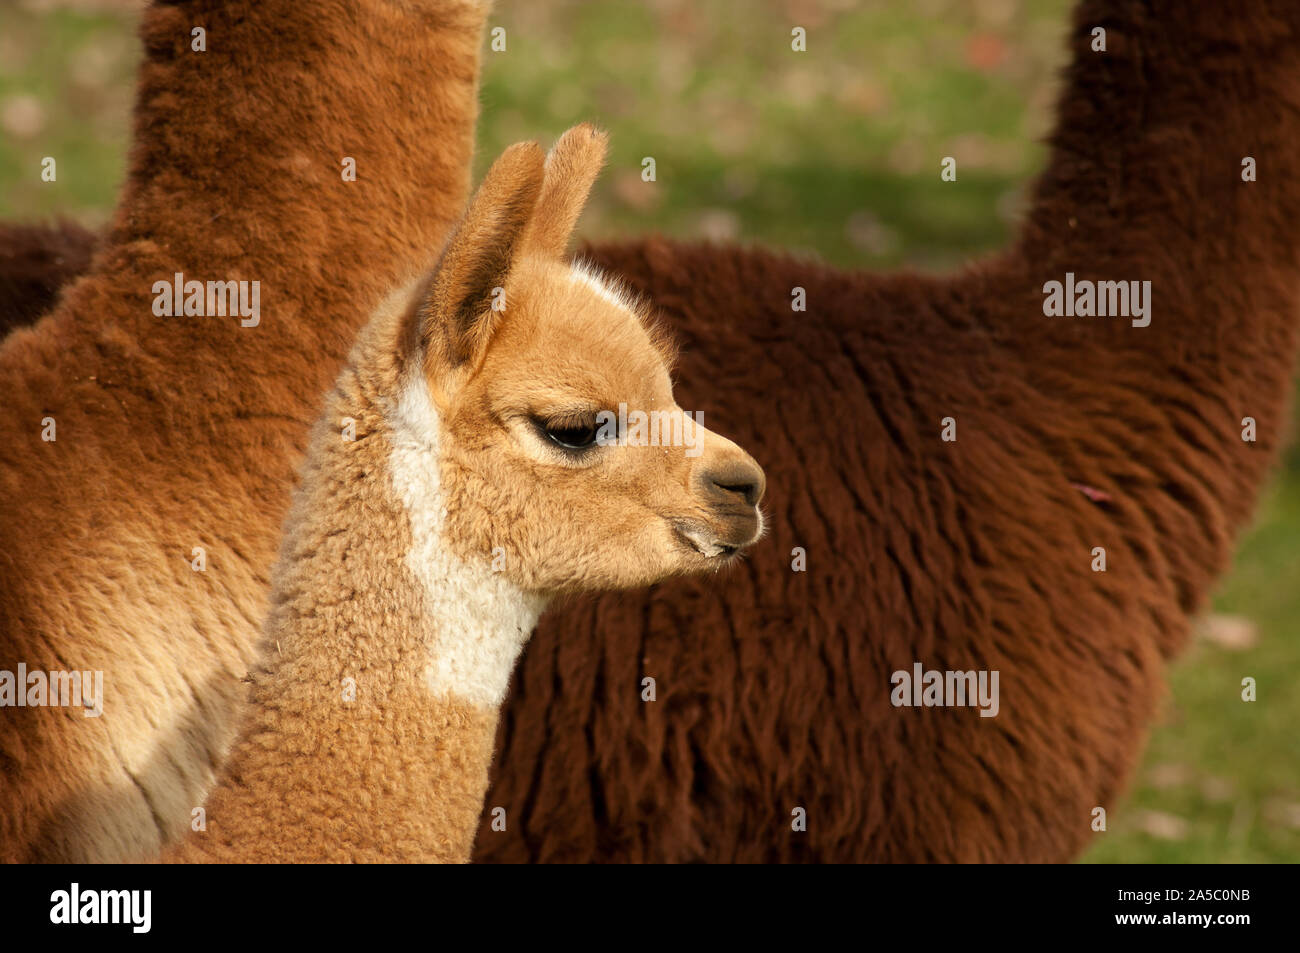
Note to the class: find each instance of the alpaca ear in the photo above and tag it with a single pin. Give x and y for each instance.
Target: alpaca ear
(454, 316)
(571, 167)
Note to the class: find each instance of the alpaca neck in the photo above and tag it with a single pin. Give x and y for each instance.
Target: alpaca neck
(371, 729)
(277, 94)
(483, 619)
(1145, 177)
(1148, 182)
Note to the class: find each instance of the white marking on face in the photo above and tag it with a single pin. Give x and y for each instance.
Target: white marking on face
(481, 619)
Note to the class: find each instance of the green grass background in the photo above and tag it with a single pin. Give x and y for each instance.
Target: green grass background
(834, 151)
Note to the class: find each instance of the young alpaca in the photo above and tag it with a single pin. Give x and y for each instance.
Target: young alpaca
(391, 637)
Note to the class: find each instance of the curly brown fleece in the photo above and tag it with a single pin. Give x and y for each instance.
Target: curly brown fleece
(177, 433)
(773, 685)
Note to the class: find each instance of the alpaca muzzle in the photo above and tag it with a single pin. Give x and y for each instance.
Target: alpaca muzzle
(731, 491)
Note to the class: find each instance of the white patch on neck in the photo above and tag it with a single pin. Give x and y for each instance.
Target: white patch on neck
(586, 274)
(481, 620)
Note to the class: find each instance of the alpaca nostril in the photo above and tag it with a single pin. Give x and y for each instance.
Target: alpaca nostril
(747, 491)
(739, 479)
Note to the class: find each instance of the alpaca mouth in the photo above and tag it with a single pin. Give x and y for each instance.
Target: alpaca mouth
(707, 543)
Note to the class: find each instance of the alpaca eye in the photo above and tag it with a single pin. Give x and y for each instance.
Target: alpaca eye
(571, 435)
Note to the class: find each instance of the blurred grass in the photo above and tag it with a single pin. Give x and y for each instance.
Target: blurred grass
(834, 151)
(66, 78)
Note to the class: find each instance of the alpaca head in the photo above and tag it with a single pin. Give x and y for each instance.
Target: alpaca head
(529, 365)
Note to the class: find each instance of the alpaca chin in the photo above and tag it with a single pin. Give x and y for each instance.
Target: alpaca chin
(481, 619)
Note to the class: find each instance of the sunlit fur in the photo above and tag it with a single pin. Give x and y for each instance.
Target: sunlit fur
(423, 546)
(772, 683)
(182, 433)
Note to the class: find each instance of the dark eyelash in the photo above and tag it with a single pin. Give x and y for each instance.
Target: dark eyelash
(571, 434)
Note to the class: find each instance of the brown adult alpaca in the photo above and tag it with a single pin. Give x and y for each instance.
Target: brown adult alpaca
(973, 554)
(420, 552)
(35, 262)
(180, 432)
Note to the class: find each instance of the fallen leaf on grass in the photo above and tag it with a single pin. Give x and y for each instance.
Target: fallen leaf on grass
(1236, 633)
(1161, 825)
